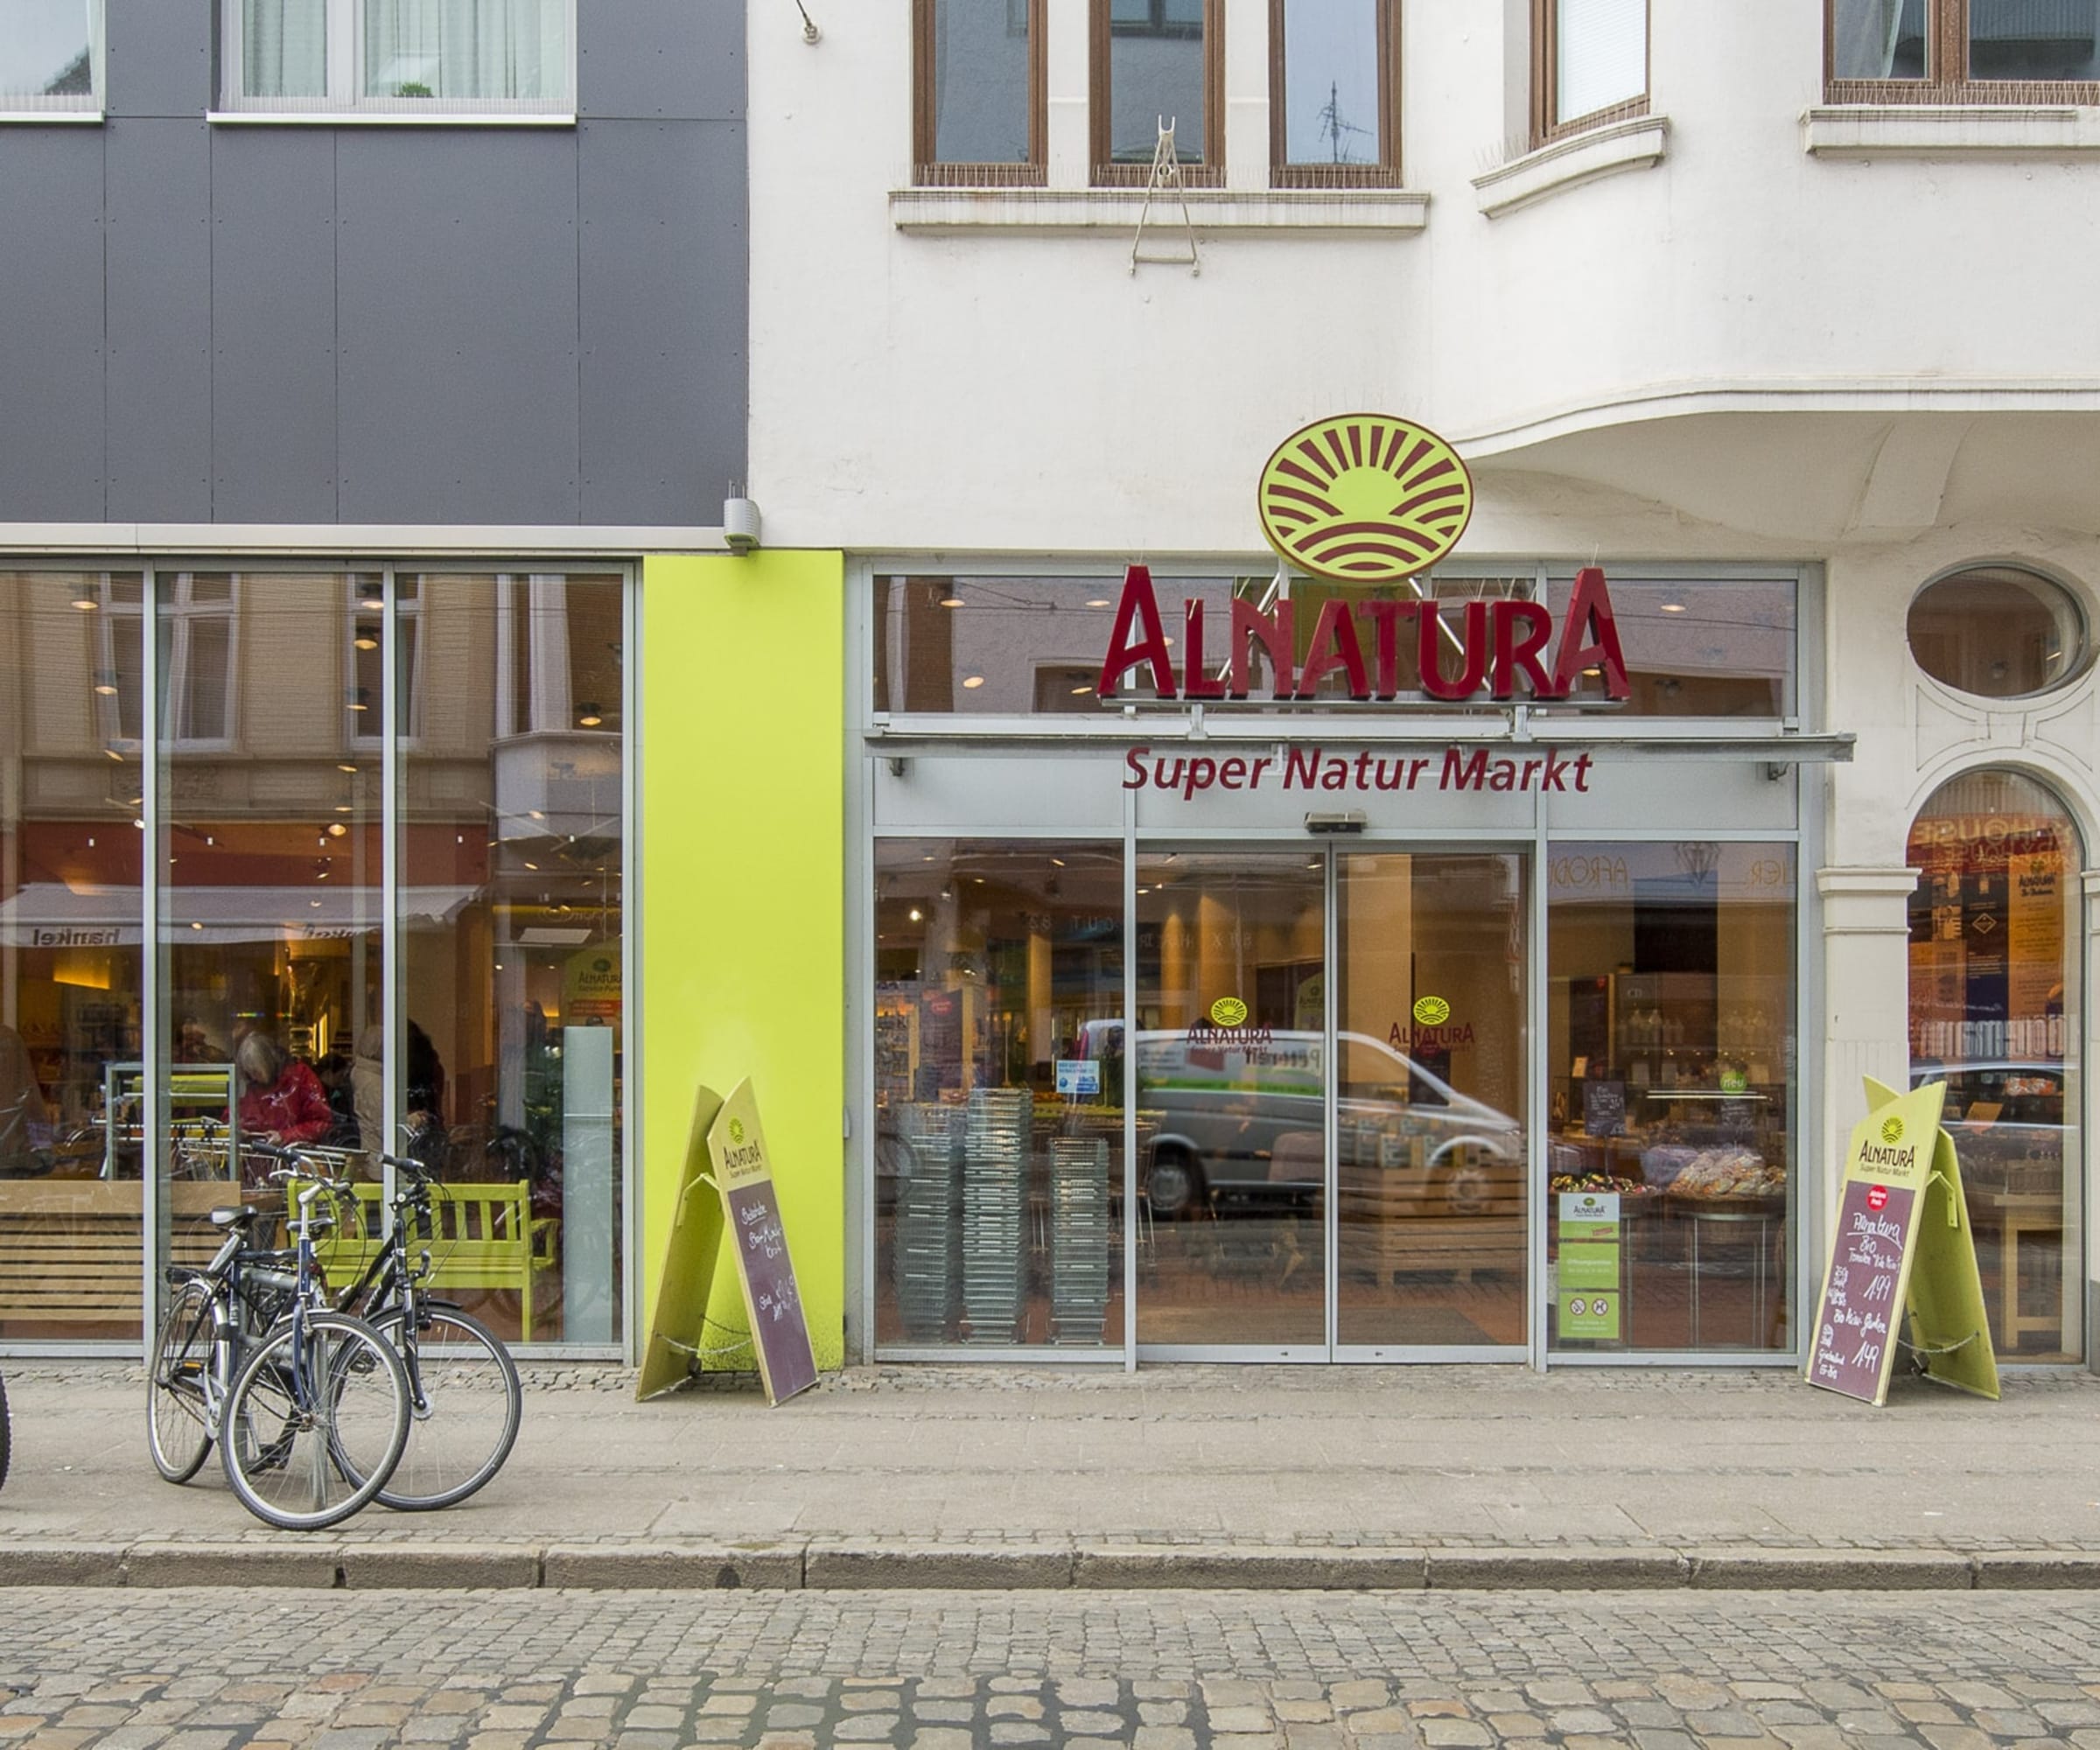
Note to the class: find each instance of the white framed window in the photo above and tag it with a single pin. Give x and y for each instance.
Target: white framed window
(399, 58)
(51, 57)
(365, 710)
(200, 655)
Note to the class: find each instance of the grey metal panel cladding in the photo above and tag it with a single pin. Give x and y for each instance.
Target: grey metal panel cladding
(673, 60)
(664, 275)
(273, 319)
(457, 325)
(159, 321)
(159, 57)
(51, 325)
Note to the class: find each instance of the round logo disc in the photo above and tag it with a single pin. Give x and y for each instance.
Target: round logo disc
(1227, 1011)
(1432, 1012)
(1364, 498)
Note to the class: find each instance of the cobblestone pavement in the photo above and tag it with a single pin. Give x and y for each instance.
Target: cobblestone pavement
(192, 1670)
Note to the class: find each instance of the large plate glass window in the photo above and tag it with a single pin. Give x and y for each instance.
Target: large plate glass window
(71, 974)
(1671, 1072)
(271, 902)
(1994, 1006)
(511, 918)
(989, 645)
(999, 1092)
(51, 55)
(445, 57)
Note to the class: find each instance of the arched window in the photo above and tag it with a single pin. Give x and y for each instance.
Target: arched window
(1994, 1002)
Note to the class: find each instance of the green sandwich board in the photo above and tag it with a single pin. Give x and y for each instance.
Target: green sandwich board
(1902, 1241)
(688, 1262)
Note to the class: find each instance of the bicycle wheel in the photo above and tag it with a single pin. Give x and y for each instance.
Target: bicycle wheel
(179, 1416)
(313, 1428)
(465, 1405)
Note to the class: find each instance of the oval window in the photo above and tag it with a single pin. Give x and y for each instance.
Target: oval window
(1996, 631)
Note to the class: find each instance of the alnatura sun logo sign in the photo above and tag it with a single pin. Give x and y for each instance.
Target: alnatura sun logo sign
(1364, 498)
(1228, 1011)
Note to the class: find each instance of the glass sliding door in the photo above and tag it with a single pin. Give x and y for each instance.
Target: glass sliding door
(1430, 1060)
(1230, 1078)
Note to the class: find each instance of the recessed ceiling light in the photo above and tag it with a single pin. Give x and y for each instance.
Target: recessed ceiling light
(105, 690)
(86, 604)
(373, 603)
(951, 601)
(1098, 601)
(1080, 692)
(973, 682)
(1673, 607)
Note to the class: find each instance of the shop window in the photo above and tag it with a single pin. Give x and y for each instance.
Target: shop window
(51, 56)
(400, 57)
(71, 964)
(978, 92)
(1589, 64)
(1994, 1014)
(1996, 631)
(1154, 61)
(1672, 1063)
(998, 1093)
(1008, 646)
(1335, 93)
(1964, 51)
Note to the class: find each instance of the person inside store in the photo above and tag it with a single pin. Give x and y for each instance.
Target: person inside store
(24, 1118)
(281, 1098)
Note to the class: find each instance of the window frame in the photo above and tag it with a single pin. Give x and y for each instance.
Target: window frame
(91, 106)
(1547, 124)
(1209, 172)
(345, 98)
(1385, 172)
(176, 609)
(929, 172)
(1946, 47)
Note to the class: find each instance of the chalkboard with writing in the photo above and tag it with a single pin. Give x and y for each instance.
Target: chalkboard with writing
(1862, 1295)
(775, 1305)
(758, 1242)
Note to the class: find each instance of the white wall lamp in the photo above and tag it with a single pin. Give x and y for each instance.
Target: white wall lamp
(740, 524)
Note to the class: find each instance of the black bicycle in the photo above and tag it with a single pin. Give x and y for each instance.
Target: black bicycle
(312, 1413)
(464, 1399)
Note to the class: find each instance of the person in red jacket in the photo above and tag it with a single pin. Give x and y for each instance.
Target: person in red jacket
(281, 1098)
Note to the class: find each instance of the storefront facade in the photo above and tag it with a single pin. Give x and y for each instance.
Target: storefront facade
(1337, 995)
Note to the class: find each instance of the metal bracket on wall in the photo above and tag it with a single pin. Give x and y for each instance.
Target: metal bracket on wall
(1166, 179)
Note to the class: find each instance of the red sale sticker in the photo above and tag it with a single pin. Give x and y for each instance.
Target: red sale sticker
(1877, 1197)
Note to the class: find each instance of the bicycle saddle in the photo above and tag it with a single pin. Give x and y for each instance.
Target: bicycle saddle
(234, 1218)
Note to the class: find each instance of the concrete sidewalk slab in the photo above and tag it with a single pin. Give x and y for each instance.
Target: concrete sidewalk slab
(1012, 1478)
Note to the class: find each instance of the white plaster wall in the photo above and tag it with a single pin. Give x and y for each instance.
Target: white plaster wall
(1026, 392)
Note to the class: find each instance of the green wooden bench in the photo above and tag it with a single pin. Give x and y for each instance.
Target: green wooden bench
(479, 1237)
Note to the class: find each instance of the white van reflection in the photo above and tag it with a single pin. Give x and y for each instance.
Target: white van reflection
(1236, 1120)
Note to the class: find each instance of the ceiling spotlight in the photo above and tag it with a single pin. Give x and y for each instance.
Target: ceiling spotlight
(973, 682)
(589, 716)
(951, 601)
(86, 604)
(364, 641)
(336, 829)
(371, 604)
(352, 769)
(360, 699)
(1098, 601)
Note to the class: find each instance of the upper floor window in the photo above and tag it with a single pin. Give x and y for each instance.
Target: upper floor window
(402, 56)
(1157, 63)
(51, 55)
(1964, 51)
(1333, 93)
(977, 91)
(1589, 64)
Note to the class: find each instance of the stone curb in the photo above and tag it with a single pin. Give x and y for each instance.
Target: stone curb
(678, 1567)
(1832, 1569)
(866, 1565)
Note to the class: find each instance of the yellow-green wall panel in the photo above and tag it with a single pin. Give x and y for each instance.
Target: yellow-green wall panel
(743, 906)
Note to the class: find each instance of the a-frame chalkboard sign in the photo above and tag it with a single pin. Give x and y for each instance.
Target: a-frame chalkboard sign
(1901, 1242)
(725, 1187)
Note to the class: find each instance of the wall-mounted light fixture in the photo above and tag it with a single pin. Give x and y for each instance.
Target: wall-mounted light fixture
(740, 524)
